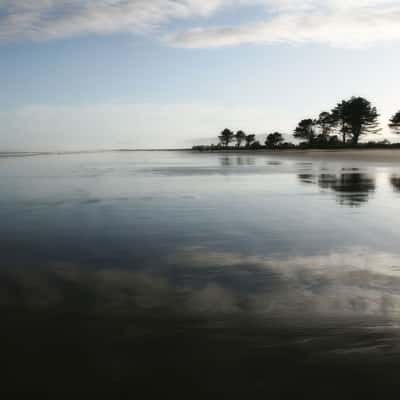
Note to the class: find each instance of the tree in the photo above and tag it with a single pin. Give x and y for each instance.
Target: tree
(333, 140)
(305, 130)
(250, 139)
(256, 145)
(326, 123)
(394, 124)
(274, 140)
(240, 137)
(226, 137)
(356, 117)
(338, 119)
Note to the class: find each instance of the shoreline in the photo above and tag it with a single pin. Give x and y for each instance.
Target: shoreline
(351, 154)
(361, 154)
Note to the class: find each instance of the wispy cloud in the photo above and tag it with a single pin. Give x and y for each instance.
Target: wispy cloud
(354, 24)
(340, 23)
(51, 19)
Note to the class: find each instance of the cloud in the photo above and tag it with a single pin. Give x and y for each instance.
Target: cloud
(355, 24)
(52, 19)
(339, 23)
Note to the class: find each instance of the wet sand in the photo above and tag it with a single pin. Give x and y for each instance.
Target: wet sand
(372, 155)
(270, 275)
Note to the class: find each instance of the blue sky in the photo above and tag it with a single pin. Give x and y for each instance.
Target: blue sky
(162, 73)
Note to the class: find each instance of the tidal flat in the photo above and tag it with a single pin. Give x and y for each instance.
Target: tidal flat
(221, 274)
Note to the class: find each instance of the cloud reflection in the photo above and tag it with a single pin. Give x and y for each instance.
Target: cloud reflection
(335, 285)
(276, 317)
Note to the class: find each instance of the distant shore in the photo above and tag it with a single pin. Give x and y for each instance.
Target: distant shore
(361, 154)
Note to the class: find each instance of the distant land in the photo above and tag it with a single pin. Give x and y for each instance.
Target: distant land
(387, 154)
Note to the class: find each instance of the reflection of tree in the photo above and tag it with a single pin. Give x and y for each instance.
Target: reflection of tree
(226, 161)
(307, 178)
(238, 161)
(352, 189)
(395, 181)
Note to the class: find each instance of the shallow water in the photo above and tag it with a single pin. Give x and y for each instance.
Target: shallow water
(190, 273)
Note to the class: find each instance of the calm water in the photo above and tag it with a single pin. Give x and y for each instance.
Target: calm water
(148, 273)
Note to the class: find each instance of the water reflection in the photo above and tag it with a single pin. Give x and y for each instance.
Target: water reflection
(354, 283)
(223, 321)
(228, 161)
(198, 274)
(351, 189)
(395, 181)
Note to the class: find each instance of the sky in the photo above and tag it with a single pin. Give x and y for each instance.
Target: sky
(102, 74)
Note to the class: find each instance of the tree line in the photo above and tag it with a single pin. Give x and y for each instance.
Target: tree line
(343, 126)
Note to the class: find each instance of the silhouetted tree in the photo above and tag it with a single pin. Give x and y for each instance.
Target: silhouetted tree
(240, 137)
(326, 123)
(394, 123)
(305, 130)
(340, 121)
(321, 140)
(250, 139)
(333, 140)
(356, 117)
(274, 140)
(226, 137)
(287, 145)
(256, 145)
